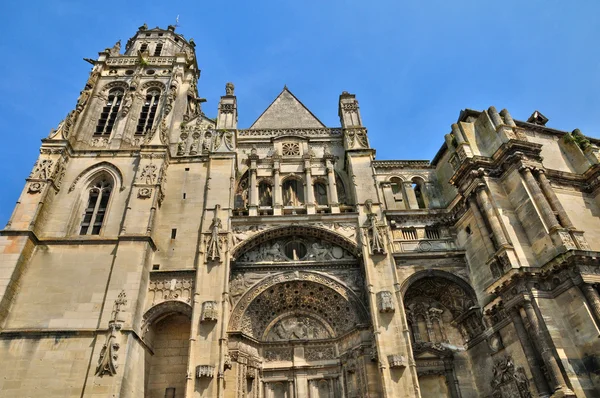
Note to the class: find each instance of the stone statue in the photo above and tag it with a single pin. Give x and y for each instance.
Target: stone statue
(213, 247)
(84, 96)
(116, 49)
(229, 89)
(209, 311)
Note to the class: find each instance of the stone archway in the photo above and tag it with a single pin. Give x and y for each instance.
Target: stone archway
(443, 317)
(166, 332)
(299, 315)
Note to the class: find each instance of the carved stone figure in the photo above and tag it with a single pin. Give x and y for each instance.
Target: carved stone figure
(116, 49)
(229, 89)
(82, 101)
(213, 246)
(148, 175)
(397, 361)
(385, 301)
(209, 311)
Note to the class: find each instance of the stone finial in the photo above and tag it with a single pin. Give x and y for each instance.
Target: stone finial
(116, 49)
(144, 26)
(229, 88)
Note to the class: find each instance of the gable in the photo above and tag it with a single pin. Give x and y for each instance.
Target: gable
(285, 112)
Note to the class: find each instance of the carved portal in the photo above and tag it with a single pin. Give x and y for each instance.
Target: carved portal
(509, 381)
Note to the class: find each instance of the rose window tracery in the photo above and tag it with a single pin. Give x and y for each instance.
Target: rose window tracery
(290, 149)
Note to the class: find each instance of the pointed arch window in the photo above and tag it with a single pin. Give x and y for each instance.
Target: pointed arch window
(320, 194)
(148, 112)
(109, 113)
(95, 211)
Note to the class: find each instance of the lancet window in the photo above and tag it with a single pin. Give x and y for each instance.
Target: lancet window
(95, 211)
(148, 112)
(417, 185)
(109, 113)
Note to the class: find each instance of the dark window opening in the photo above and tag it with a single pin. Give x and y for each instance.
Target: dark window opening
(95, 211)
(321, 194)
(143, 47)
(109, 113)
(265, 197)
(295, 250)
(155, 267)
(184, 195)
(173, 233)
(170, 392)
(158, 50)
(148, 112)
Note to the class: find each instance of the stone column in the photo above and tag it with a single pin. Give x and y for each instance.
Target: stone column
(309, 191)
(411, 198)
(495, 116)
(452, 382)
(530, 354)
(539, 198)
(487, 208)
(488, 243)
(555, 204)
(253, 193)
(593, 299)
(554, 373)
(277, 200)
(333, 196)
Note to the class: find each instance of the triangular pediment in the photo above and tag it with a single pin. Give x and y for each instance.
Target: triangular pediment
(286, 112)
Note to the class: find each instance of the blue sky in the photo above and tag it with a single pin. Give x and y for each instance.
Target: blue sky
(413, 65)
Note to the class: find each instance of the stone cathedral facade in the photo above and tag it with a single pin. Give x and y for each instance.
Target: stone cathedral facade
(157, 252)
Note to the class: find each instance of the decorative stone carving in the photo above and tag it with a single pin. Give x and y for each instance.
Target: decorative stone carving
(209, 311)
(397, 361)
(302, 292)
(303, 132)
(290, 149)
(35, 187)
(214, 244)
(304, 250)
(148, 175)
(181, 145)
(357, 138)
(298, 328)
(566, 239)
(144, 193)
(205, 371)
(42, 170)
(107, 363)
(319, 353)
(170, 287)
(385, 301)
(227, 362)
(375, 231)
(278, 354)
(509, 381)
(229, 88)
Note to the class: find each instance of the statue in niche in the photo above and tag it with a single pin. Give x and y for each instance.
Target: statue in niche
(94, 76)
(206, 142)
(237, 285)
(127, 102)
(181, 144)
(213, 247)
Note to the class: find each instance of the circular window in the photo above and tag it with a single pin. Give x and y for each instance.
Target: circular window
(295, 250)
(129, 72)
(150, 72)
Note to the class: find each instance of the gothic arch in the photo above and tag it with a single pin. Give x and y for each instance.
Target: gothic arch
(324, 297)
(118, 84)
(90, 173)
(297, 230)
(163, 310)
(154, 84)
(433, 273)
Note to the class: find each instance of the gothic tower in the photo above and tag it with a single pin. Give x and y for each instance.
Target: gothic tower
(157, 252)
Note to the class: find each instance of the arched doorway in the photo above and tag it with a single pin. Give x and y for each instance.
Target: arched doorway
(167, 336)
(443, 316)
(298, 315)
